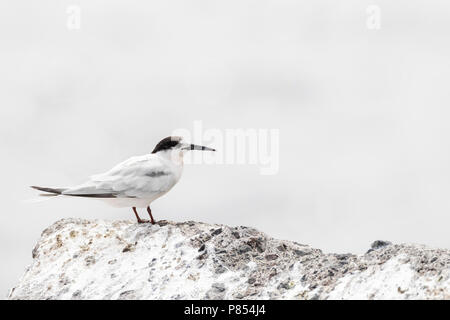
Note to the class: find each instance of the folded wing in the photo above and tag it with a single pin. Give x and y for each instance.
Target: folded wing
(138, 177)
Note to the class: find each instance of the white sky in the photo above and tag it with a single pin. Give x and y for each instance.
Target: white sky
(362, 114)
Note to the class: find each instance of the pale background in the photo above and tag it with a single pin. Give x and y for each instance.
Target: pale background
(363, 114)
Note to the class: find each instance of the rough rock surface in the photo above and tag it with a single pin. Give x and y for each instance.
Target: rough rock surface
(96, 259)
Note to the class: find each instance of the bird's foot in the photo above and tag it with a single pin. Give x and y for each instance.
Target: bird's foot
(150, 215)
(143, 221)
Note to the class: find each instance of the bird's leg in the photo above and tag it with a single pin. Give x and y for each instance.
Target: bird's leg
(139, 220)
(150, 214)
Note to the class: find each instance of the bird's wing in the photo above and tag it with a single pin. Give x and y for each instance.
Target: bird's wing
(137, 177)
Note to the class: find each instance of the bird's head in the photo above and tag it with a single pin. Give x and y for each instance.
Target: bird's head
(176, 147)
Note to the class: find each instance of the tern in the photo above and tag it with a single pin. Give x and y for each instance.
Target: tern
(136, 182)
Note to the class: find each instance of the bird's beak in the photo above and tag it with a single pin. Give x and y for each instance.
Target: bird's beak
(196, 147)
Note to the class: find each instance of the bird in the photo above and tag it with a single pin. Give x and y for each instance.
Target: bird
(135, 182)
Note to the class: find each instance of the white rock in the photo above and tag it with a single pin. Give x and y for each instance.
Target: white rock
(95, 259)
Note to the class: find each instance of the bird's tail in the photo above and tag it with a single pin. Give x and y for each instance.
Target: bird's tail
(50, 192)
